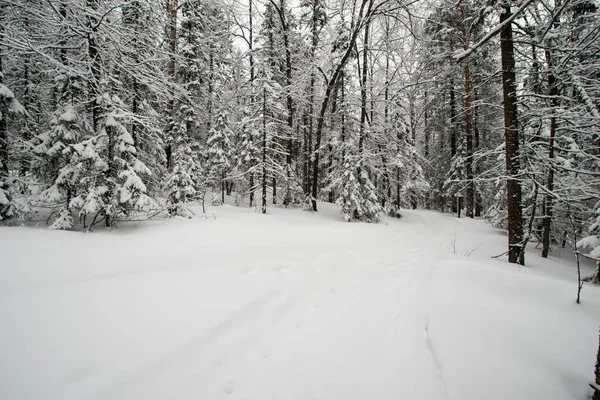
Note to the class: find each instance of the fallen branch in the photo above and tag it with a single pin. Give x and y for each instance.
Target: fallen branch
(500, 255)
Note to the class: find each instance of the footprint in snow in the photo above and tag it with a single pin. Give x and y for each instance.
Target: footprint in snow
(230, 387)
(251, 271)
(282, 268)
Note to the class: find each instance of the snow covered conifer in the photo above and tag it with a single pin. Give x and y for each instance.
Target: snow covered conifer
(8, 104)
(291, 191)
(356, 194)
(186, 180)
(126, 172)
(182, 182)
(248, 154)
(219, 153)
(348, 188)
(54, 151)
(591, 243)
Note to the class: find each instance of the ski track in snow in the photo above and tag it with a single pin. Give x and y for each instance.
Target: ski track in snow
(436, 359)
(286, 306)
(255, 310)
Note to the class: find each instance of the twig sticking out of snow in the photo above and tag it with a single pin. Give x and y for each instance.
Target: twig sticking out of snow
(473, 251)
(500, 255)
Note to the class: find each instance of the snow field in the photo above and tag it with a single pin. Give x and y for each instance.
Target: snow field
(290, 305)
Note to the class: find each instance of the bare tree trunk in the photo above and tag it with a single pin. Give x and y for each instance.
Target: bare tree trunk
(251, 189)
(172, 9)
(511, 135)
(549, 200)
(211, 78)
(425, 122)
(94, 57)
(3, 113)
(251, 51)
(478, 197)
(131, 18)
(363, 96)
(264, 155)
(452, 119)
(469, 193)
(386, 115)
(343, 118)
(222, 188)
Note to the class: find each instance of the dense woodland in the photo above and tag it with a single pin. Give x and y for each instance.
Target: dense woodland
(115, 110)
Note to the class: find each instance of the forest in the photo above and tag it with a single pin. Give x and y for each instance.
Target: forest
(128, 109)
(299, 199)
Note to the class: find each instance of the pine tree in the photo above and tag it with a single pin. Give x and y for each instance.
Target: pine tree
(248, 155)
(356, 194)
(219, 154)
(184, 184)
(8, 104)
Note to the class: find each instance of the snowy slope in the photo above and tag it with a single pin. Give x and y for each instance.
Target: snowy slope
(290, 305)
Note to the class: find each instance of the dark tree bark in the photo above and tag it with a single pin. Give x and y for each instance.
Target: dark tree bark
(311, 100)
(478, 197)
(549, 200)
(470, 193)
(386, 117)
(172, 9)
(332, 121)
(222, 189)
(264, 155)
(95, 66)
(289, 101)
(131, 18)
(307, 150)
(251, 51)
(452, 119)
(511, 136)
(211, 89)
(94, 91)
(363, 95)
(425, 116)
(3, 127)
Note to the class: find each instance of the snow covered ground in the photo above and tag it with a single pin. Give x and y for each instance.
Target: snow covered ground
(290, 305)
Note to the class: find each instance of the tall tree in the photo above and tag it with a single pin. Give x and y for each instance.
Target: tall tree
(511, 134)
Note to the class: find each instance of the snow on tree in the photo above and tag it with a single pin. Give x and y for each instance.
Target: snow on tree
(248, 155)
(591, 243)
(219, 154)
(356, 194)
(8, 104)
(184, 183)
